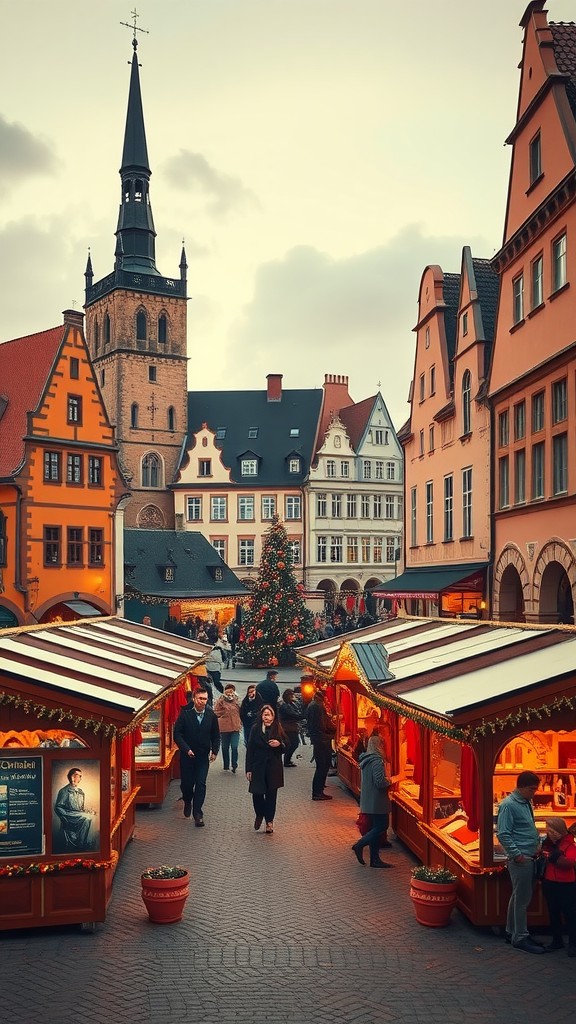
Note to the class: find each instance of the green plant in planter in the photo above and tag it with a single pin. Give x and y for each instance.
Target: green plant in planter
(165, 871)
(438, 876)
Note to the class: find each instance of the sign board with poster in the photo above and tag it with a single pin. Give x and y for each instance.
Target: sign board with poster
(21, 825)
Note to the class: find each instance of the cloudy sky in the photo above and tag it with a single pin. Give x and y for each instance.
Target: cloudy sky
(315, 155)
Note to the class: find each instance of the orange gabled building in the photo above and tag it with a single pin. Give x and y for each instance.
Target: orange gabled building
(61, 488)
(532, 384)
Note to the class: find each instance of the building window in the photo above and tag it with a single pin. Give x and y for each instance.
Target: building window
(390, 549)
(220, 433)
(432, 380)
(380, 437)
(3, 541)
(134, 415)
(249, 467)
(51, 545)
(520, 477)
(503, 482)
(74, 469)
(152, 377)
(52, 462)
(95, 471)
(367, 470)
(96, 334)
(559, 276)
(321, 549)
(294, 432)
(162, 329)
(321, 506)
(246, 507)
(421, 442)
(467, 502)
(169, 574)
(429, 512)
(246, 552)
(448, 508)
(330, 467)
(378, 470)
(96, 546)
(377, 550)
(537, 282)
(389, 506)
(107, 330)
(294, 466)
(336, 506)
(352, 549)
(535, 158)
(537, 412)
(560, 463)
(351, 506)
(559, 401)
(293, 506)
(218, 509)
(74, 546)
(268, 507)
(102, 378)
(252, 432)
(220, 547)
(538, 471)
(344, 469)
(151, 470)
(335, 549)
(365, 506)
(366, 549)
(520, 421)
(413, 510)
(377, 506)
(204, 467)
(503, 429)
(518, 299)
(171, 418)
(466, 402)
(193, 509)
(464, 324)
(427, 337)
(74, 368)
(141, 326)
(431, 439)
(74, 409)
(390, 470)
(295, 549)
(422, 387)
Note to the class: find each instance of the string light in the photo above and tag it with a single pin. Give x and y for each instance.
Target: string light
(49, 867)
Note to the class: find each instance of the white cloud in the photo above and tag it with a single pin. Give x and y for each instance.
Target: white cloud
(226, 193)
(22, 154)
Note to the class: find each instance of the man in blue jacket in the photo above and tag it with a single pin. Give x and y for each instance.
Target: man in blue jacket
(517, 832)
(197, 734)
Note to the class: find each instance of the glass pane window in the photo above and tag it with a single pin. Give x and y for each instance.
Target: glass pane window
(246, 507)
(321, 549)
(193, 509)
(74, 469)
(537, 282)
(519, 477)
(321, 506)
(52, 467)
(352, 549)
(559, 276)
(559, 401)
(246, 552)
(351, 506)
(366, 549)
(95, 471)
(518, 299)
(367, 470)
(413, 513)
(293, 507)
(560, 463)
(467, 502)
(538, 412)
(365, 506)
(295, 549)
(249, 467)
(429, 512)
(377, 506)
(378, 470)
(96, 546)
(218, 508)
(344, 468)
(220, 547)
(503, 429)
(330, 467)
(268, 507)
(52, 545)
(74, 545)
(503, 482)
(336, 506)
(448, 508)
(538, 470)
(335, 549)
(519, 421)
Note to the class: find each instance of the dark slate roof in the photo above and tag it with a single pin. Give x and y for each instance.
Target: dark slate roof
(373, 660)
(564, 36)
(238, 411)
(487, 283)
(135, 152)
(451, 293)
(148, 552)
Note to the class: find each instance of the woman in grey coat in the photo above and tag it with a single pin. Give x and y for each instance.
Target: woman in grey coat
(374, 801)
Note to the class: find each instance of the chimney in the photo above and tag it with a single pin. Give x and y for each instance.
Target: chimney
(274, 390)
(73, 317)
(336, 397)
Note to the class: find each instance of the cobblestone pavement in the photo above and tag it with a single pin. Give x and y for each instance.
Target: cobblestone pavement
(285, 928)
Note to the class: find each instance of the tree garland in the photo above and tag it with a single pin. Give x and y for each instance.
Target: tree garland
(29, 707)
(14, 870)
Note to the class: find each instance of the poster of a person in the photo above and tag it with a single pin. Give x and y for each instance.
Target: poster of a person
(75, 817)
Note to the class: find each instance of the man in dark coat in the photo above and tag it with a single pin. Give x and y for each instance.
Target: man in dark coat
(197, 735)
(268, 689)
(320, 730)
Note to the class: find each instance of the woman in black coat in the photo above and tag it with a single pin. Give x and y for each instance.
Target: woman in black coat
(264, 769)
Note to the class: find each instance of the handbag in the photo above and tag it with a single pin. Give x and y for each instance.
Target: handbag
(539, 868)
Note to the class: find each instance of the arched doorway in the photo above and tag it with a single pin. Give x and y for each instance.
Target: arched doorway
(349, 592)
(556, 602)
(328, 587)
(511, 596)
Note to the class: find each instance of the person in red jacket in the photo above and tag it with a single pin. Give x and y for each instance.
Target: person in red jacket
(559, 883)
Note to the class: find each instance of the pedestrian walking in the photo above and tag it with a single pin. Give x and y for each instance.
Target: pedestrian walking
(559, 883)
(374, 801)
(264, 769)
(519, 836)
(214, 665)
(227, 711)
(197, 736)
(249, 709)
(290, 715)
(321, 729)
(268, 688)
(225, 647)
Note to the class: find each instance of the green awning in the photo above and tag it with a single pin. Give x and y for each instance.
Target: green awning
(425, 583)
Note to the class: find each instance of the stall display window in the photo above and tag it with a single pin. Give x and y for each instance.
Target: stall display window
(149, 750)
(447, 794)
(113, 778)
(410, 761)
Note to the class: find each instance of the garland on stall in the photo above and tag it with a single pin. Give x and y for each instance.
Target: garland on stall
(420, 717)
(12, 870)
(29, 707)
(528, 714)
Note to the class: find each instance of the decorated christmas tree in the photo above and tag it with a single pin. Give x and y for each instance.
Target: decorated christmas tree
(276, 619)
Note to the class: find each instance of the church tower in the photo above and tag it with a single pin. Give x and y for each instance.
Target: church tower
(136, 332)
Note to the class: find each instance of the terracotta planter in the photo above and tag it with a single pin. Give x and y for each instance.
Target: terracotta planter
(164, 898)
(433, 902)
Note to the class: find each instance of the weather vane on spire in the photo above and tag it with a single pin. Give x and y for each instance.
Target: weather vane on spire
(135, 28)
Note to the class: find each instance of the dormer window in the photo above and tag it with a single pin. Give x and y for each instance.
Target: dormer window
(294, 432)
(294, 466)
(221, 433)
(249, 467)
(169, 574)
(252, 431)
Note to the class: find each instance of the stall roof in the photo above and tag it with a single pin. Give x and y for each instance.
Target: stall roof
(422, 582)
(120, 664)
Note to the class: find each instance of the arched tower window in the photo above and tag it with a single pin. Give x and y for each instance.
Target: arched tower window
(107, 330)
(96, 334)
(172, 418)
(151, 470)
(134, 415)
(162, 329)
(138, 191)
(141, 326)
(466, 411)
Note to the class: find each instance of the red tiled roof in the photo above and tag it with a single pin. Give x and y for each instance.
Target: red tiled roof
(25, 364)
(355, 419)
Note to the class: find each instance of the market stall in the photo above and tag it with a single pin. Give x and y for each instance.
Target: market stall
(461, 714)
(73, 699)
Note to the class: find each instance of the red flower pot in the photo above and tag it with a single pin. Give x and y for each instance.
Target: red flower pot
(164, 898)
(433, 902)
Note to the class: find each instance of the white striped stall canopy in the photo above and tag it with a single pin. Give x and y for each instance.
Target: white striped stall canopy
(121, 664)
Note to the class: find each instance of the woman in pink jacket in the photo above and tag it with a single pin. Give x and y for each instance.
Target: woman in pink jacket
(559, 883)
(227, 710)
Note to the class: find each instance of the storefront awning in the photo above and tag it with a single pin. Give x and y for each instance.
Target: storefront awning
(82, 608)
(425, 583)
